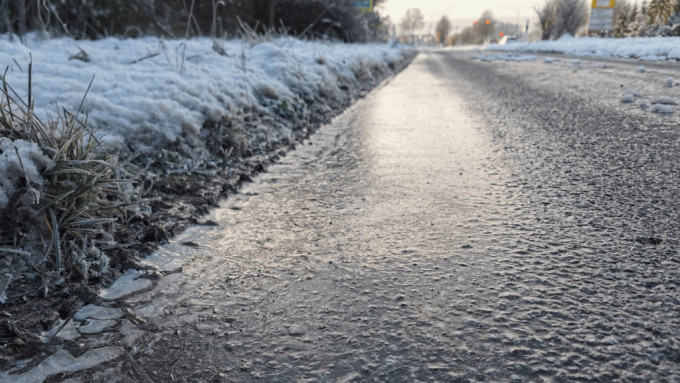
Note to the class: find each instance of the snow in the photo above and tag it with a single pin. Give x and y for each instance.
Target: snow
(642, 48)
(505, 57)
(20, 160)
(148, 93)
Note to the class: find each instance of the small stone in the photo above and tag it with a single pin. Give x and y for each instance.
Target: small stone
(668, 83)
(666, 101)
(662, 109)
(645, 104)
(641, 69)
(628, 99)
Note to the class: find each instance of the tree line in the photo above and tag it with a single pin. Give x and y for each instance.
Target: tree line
(557, 18)
(92, 19)
(652, 18)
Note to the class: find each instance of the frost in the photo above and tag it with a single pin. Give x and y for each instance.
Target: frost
(15, 170)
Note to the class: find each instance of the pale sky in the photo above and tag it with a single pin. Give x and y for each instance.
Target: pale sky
(463, 12)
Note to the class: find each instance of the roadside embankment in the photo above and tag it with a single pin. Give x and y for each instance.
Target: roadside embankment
(166, 129)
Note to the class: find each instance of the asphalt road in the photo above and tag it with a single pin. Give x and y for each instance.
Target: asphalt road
(469, 220)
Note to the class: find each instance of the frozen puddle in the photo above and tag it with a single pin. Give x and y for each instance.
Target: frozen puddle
(62, 361)
(128, 283)
(98, 312)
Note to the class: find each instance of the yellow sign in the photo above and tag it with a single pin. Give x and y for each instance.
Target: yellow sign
(603, 3)
(363, 5)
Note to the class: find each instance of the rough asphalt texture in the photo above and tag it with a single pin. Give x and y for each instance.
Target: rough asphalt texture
(467, 221)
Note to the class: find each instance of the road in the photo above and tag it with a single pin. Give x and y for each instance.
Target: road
(481, 221)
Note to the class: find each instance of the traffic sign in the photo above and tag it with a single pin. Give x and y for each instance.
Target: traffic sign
(363, 5)
(601, 15)
(603, 3)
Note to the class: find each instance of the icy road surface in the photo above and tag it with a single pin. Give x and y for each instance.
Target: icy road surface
(483, 221)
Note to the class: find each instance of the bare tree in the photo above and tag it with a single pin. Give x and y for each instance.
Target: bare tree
(559, 17)
(442, 29)
(572, 15)
(547, 16)
(413, 20)
(623, 18)
(485, 26)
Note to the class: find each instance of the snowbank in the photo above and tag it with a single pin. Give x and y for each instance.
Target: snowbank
(646, 49)
(149, 93)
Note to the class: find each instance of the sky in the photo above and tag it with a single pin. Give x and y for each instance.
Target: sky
(460, 12)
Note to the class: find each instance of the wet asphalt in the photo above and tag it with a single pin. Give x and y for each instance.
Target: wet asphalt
(467, 221)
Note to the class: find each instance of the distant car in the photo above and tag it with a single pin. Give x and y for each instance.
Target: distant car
(507, 39)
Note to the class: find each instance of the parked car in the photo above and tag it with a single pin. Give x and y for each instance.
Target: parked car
(507, 39)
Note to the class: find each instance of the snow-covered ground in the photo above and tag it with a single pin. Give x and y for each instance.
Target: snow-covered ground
(148, 92)
(642, 48)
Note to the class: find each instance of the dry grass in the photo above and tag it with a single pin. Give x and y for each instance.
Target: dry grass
(82, 198)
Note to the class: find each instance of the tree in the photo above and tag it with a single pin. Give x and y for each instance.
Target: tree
(413, 20)
(572, 15)
(485, 26)
(624, 16)
(660, 11)
(442, 29)
(547, 16)
(559, 17)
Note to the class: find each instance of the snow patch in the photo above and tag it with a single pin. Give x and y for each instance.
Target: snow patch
(643, 48)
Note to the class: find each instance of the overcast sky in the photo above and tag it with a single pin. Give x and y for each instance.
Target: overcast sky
(461, 12)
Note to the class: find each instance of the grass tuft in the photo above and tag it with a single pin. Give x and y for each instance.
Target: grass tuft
(72, 213)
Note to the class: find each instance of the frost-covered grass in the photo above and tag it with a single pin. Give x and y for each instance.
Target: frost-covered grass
(59, 192)
(643, 48)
